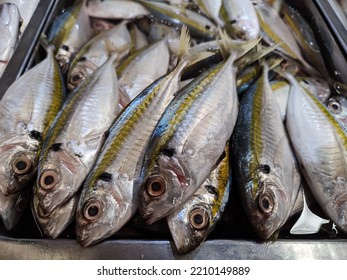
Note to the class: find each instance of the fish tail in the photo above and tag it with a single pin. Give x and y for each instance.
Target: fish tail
(184, 44)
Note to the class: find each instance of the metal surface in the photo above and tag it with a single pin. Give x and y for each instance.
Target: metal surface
(149, 250)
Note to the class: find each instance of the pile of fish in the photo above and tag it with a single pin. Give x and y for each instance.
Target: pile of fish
(14, 18)
(159, 107)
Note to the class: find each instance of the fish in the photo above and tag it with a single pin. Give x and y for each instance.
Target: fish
(26, 10)
(75, 137)
(110, 9)
(242, 22)
(337, 105)
(211, 8)
(12, 207)
(304, 36)
(10, 20)
(320, 146)
(26, 111)
(191, 224)
(316, 85)
(273, 30)
(197, 24)
(110, 193)
(141, 68)
(267, 174)
(189, 139)
(97, 51)
(69, 32)
(54, 223)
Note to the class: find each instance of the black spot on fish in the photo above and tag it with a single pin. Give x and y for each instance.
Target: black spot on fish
(264, 168)
(56, 147)
(106, 134)
(306, 82)
(83, 58)
(169, 152)
(78, 155)
(207, 27)
(233, 21)
(212, 190)
(106, 177)
(35, 135)
(65, 48)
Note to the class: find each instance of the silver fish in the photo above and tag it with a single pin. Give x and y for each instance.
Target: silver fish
(9, 30)
(193, 222)
(242, 21)
(26, 111)
(320, 145)
(141, 69)
(211, 8)
(120, 9)
(75, 138)
(266, 172)
(26, 9)
(12, 207)
(110, 193)
(188, 140)
(96, 52)
(69, 32)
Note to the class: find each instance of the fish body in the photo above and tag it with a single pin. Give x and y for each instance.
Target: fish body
(320, 147)
(266, 172)
(197, 24)
(97, 51)
(69, 32)
(188, 141)
(110, 193)
(111, 9)
(9, 30)
(75, 138)
(242, 21)
(142, 68)
(192, 223)
(26, 110)
(211, 8)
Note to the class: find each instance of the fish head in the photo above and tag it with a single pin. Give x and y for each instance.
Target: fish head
(59, 177)
(63, 57)
(17, 169)
(101, 211)
(269, 208)
(78, 74)
(54, 223)
(99, 25)
(13, 206)
(163, 189)
(190, 226)
(337, 105)
(318, 86)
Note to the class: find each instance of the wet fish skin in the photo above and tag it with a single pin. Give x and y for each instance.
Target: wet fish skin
(96, 52)
(69, 32)
(323, 157)
(12, 207)
(178, 158)
(266, 172)
(110, 194)
(76, 136)
(27, 109)
(242, 22)
(193, 222)
(9, 29)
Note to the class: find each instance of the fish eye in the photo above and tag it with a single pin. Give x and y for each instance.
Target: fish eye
(334, 106)
(92, 210)
(49, 179)
(199, 219)
(266, 203)
(156, 186)
(77, 78)
(21, 165)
